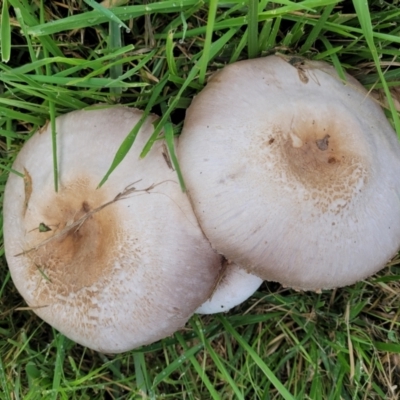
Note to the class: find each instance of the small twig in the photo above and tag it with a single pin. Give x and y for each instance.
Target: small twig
(29, 308)
(79, 222)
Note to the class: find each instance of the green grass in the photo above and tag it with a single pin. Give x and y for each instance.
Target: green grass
(281, 344)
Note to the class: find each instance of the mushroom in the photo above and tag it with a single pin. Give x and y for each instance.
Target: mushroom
(115, 267)
(233, 288)
(293, 173)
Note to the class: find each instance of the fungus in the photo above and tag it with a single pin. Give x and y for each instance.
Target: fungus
(233, 288)
(115, 267)
(293, 173)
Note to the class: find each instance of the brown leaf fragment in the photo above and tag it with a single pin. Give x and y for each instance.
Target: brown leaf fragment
(44, 127)
(28, 188)
(166, 156)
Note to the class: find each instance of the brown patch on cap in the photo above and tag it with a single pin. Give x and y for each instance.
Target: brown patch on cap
(319, 157)
(83, 255)
(314, 154)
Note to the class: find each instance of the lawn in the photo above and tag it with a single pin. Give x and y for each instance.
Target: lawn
(59, 56)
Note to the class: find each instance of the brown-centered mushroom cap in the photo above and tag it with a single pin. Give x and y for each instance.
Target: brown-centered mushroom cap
(111, 268)
(293, 174)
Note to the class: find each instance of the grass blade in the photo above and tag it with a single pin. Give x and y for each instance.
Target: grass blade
(97, 17)
(129, 140)
(169, 52)
(252, 35)
(60, 339)
(364, 17)
(169, 139)
(210, 387)
(4, 381)
(318, 27)
(212, 10)
(31, 20)
(196, 324)
(107, 13)
(269, 374)
(191, 76)
(5, 33)
(115, 42)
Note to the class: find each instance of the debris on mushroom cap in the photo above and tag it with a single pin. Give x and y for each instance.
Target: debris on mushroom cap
(233, 288)
(114, 267)
(293, 174)
(379, 94)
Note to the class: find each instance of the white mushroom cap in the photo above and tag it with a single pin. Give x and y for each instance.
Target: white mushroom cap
(125, 275)
(292, 173)
(235, 286)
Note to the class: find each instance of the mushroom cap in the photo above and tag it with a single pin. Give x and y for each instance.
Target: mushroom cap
(113, 277)
(292, 173)
(235, 286)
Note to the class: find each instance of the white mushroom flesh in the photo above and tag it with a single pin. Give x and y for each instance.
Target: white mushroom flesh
(233, 288)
